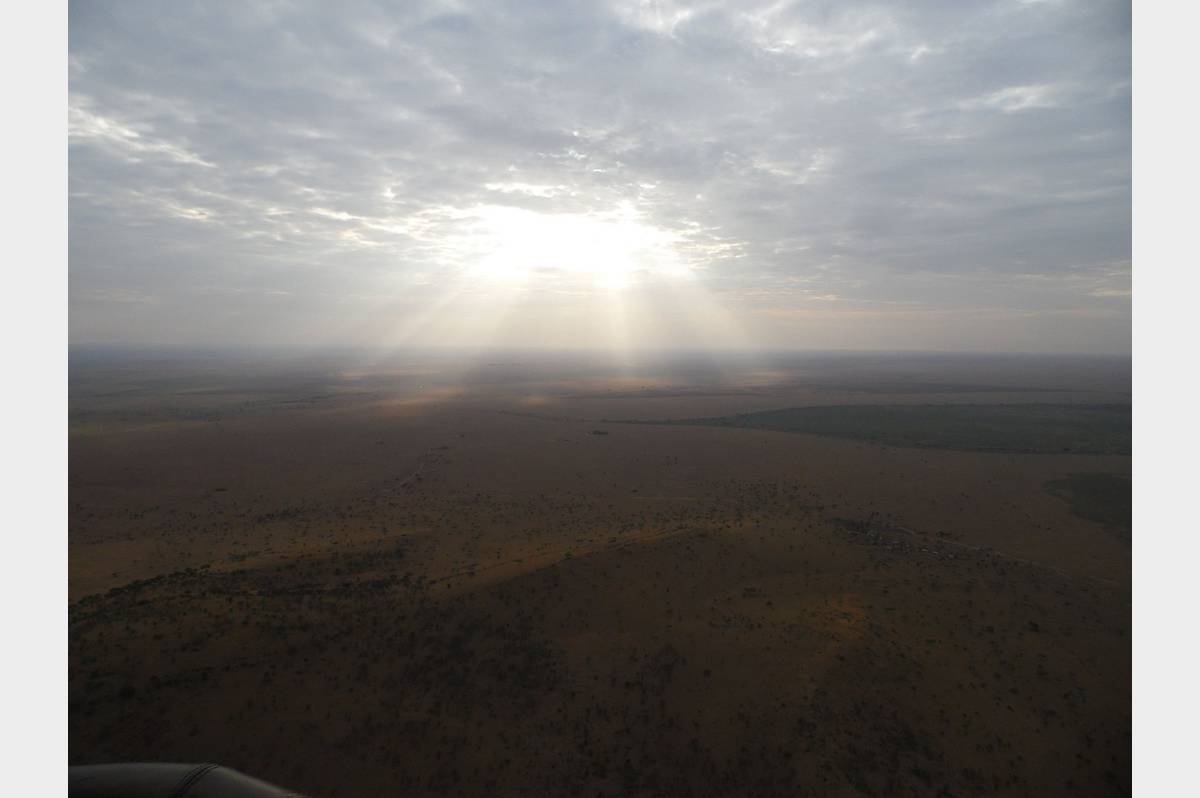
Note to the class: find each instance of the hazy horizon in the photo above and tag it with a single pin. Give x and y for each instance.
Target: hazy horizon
(618, 177)
(450, 351)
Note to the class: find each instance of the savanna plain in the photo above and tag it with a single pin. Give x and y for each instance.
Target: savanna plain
(521, 573)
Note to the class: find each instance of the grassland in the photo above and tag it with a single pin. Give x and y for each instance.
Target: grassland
(1026, 428)
(423, 585)
(1103, 498)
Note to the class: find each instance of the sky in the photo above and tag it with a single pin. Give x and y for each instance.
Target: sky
(941, 175)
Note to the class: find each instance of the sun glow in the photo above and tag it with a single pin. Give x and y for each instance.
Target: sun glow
(609, 279)
(608, 250)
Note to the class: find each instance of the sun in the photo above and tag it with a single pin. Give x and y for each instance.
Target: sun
(603, 250)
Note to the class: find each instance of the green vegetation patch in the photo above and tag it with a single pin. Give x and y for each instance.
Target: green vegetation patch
(1104, 498)
(1026, 428)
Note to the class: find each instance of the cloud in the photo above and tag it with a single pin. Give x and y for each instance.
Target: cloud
(121, 140)
(1016, 98)
(937, 152)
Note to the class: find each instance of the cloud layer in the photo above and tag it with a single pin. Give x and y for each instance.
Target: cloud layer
(814, 174)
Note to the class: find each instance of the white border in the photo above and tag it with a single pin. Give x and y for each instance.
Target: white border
(33, 206)
(1166, 528)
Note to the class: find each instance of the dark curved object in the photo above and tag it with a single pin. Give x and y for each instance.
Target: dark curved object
(163, 780)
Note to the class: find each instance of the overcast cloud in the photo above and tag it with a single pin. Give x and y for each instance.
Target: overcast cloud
(941, 175)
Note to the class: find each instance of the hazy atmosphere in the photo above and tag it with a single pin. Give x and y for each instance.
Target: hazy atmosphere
(935, 175)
